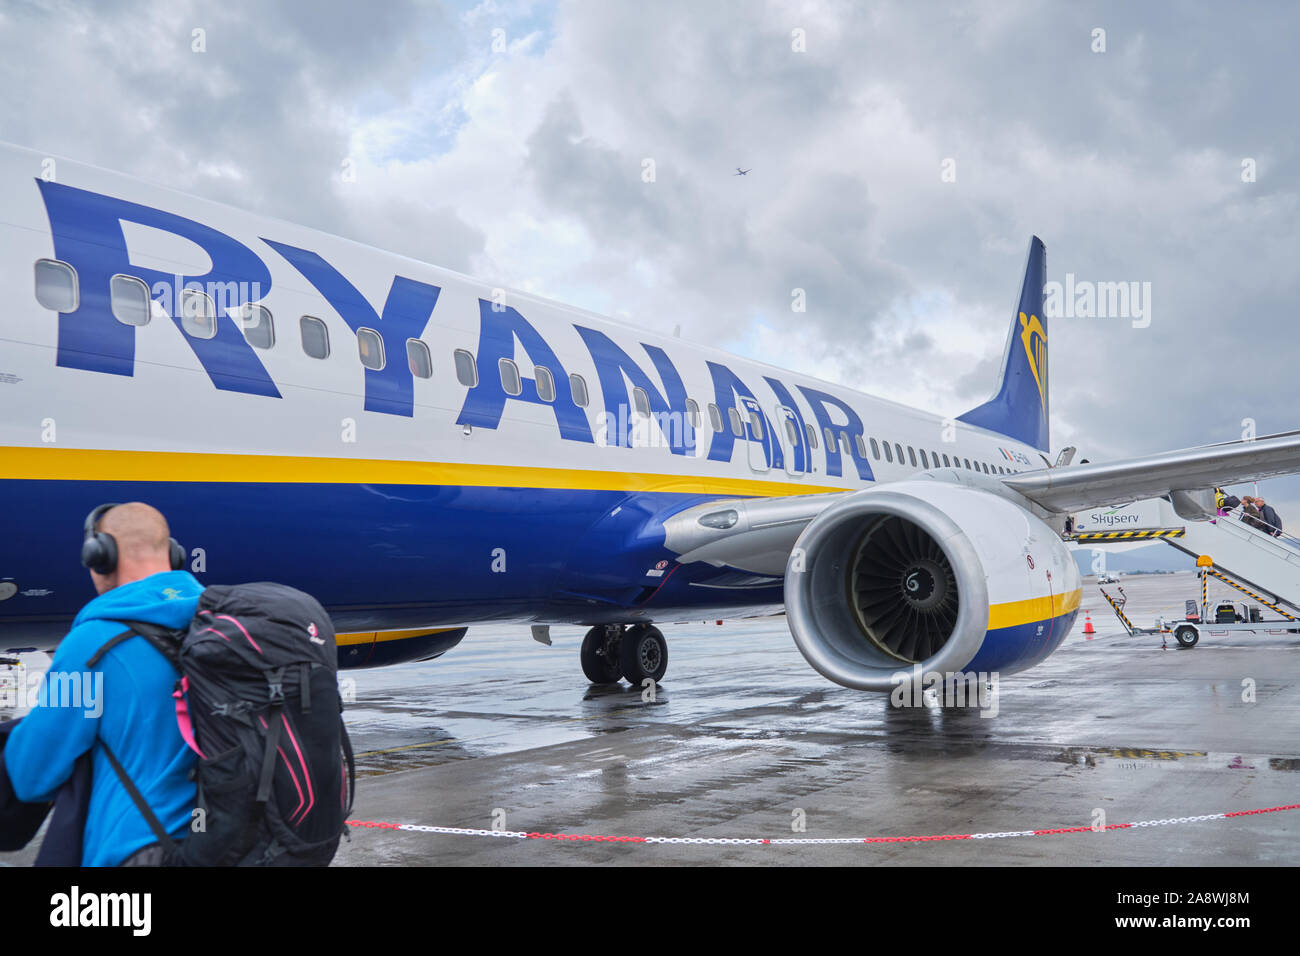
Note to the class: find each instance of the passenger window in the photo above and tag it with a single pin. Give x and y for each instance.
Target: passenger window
(967, 462)
(756, 422)
(198, 314)
(830, 437)
(511, 383)
(578, 385)
(889, 455)
(812, 436)
(844, 443)
(259, 330)
(370, 346)
(130, 300)
(875, 450)
(911, 456)
(693, 412)
(715, 417)
(862, 446)
(56, 285)
(737, 428)
(641, 401)
(315, 337)
(946, 463)
(545, 383)
(418, 359)
(924, 462)
(466, 369)
(899, 448)
(791, 433)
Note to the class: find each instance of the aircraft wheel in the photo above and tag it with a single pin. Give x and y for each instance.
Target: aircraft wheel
(1187, 635)
(599, 656)
(643, 653)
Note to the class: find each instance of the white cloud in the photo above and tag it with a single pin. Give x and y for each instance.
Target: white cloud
(524, 166)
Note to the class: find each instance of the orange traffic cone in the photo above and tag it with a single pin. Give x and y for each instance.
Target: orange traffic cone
(1087, 625)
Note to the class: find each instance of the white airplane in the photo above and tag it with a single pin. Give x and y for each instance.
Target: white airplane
(423, 452)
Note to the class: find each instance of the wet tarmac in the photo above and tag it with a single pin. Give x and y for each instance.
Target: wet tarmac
(744, 733)
(744, 739)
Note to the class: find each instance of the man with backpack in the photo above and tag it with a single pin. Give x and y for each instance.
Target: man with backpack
(213, 715)
(122, 704)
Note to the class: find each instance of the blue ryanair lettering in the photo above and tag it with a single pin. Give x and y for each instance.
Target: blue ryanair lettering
(486, 401)
(615, 368)
(87, 232)
(728, 391)
(821, 404)
(800, 453)
(406, 313)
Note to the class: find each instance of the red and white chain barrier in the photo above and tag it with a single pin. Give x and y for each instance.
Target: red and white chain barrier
(745, 841)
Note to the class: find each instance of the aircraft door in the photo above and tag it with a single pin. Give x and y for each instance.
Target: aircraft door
(792, 441)
(760, 448)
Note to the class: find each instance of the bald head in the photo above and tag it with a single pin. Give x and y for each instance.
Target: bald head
(143, 544)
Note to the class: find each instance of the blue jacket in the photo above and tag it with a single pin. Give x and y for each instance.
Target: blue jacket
(127, 701)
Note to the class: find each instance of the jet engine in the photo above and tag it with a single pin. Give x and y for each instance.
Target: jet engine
(928, 575)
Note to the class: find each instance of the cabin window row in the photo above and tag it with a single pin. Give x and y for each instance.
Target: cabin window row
(130, 302)
(511, 383)
(934, 459)
(57, 290)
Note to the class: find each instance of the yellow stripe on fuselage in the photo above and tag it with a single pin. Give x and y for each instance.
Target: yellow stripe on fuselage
(1015, 613)
(84, 464)
(367, 637)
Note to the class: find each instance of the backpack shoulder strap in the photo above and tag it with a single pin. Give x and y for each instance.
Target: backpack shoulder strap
(163, 640)
(137, 798)
(109, 645)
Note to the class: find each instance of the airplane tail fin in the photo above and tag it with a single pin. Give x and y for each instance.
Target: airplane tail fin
(1019, 409)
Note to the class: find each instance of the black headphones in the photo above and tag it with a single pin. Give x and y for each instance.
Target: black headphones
(99, 549)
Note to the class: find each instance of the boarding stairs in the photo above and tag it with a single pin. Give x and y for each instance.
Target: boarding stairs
(1264, 566)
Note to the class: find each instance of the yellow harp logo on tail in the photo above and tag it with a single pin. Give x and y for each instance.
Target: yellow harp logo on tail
(1034, 339)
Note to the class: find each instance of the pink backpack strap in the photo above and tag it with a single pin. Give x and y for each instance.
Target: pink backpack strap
(183, 722)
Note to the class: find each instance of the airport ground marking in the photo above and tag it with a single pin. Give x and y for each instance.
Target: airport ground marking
(806, 841)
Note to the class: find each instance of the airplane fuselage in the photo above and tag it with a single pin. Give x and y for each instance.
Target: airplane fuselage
(458, 453)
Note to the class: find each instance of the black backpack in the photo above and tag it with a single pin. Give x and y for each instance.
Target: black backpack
(259, 680)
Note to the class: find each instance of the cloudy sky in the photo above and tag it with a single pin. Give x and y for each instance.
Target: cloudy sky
(902, 155)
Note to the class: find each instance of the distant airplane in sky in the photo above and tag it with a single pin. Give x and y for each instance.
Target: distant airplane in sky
(741, 172)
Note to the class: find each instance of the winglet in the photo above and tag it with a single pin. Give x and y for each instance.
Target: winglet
(1019, 410)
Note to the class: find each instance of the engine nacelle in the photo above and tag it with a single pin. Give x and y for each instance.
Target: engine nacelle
(953, 578)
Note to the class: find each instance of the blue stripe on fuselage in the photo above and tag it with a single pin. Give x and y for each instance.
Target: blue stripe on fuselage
(377, 556)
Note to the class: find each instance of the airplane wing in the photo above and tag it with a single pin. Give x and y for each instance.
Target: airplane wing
(1080, 487)
(758, 534)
